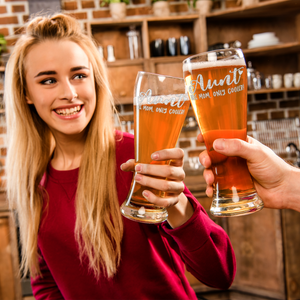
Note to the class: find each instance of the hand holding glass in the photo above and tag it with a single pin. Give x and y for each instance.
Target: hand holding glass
(160, 108)
(217, 86)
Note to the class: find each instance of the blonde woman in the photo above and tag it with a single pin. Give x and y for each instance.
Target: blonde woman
(68, 172)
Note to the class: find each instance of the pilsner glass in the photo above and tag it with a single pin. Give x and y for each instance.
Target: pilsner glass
(217, 86)
(160, 107)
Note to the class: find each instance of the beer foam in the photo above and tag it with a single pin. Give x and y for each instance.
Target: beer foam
(190, 66)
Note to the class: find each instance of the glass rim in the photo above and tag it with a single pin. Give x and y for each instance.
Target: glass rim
(238, 50)
(157, 75)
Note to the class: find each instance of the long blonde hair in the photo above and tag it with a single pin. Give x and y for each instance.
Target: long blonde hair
(99, 227)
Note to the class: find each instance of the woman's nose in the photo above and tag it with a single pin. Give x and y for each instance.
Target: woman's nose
(67, 92)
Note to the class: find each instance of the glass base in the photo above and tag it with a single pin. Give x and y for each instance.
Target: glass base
(143, 214)
(229, 207)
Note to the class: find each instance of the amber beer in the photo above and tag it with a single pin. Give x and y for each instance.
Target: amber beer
(218, 94)
(158, 126)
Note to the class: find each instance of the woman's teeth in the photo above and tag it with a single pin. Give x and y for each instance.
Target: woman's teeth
(68, 111)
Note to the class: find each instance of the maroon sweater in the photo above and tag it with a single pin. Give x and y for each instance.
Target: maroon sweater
(153, 256)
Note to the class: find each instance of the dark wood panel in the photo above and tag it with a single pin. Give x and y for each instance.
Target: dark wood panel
(291, 234)
(257, 241)
(122, 80)
(10, 287)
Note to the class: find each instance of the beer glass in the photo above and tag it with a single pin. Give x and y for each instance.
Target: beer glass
(160, 107)
(217, 86)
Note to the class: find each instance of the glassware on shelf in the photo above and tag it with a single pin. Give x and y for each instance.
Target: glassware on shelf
(134, 43)
(110, 53)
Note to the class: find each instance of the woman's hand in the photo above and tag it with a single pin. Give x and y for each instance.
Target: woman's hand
(178, 206)
(276, 182)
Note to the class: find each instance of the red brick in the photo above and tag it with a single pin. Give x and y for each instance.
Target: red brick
(3, 151)
(184, 144)
(3, 184)
(293, 113)
(2, 129)
(262, 116)
(4, 31)
(249, 117)
(262, 106)
(289, 103)
(277, 114)
(11, 42)
(87, 4)
(138, 2)
(139, 11)
(198, 144)
(194, 153)
(79, 16)
(18, 8)
(3, 10)
(2, 162)
(25, 18)
(18, 30)
(177, 8)
(71, 5)
(9, 20)
(2, 172)
(101, 14)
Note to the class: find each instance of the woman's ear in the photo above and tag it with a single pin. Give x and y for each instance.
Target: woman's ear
(28, 100)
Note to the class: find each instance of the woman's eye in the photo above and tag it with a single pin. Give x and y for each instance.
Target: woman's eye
(48, 81)
(80, 76)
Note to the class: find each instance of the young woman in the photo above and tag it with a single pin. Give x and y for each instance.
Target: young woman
(68, 172)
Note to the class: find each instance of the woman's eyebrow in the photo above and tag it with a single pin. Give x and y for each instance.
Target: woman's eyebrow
(54, 72)
(79, 68)
(45, 73)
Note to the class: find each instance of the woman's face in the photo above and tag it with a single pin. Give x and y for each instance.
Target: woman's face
(60, 84)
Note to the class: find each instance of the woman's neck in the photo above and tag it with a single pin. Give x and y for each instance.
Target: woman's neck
(68, 152)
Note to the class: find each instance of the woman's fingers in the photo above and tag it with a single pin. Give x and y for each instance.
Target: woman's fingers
(173, 187)
(128, 166)
(163, 171)
(163, 202)
(205, 159)
(200, 138)
(175, 155)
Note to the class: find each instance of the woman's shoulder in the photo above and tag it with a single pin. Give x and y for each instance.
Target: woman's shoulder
(124, 145)
(124, 138)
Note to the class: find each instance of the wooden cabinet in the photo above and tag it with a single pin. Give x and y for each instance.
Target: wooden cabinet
(122, 72)
(10, 285)
(279, 16)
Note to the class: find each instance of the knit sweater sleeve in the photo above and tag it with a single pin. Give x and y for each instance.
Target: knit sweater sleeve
(205, 248)
(44, 287)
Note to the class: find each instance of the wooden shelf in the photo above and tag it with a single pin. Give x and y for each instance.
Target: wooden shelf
(263, 91)
(125, 62)
(273, 50)
(261, 10)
